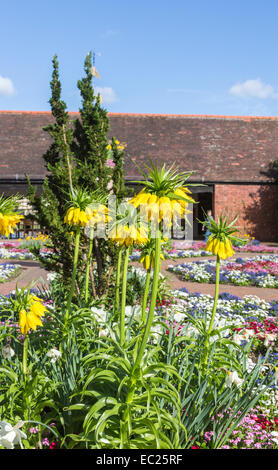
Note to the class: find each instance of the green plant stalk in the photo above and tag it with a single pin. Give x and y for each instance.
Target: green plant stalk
(134, 373)
(123, 299)
(152, 303)
(118, 280)
(88, 265)
(216, 294)
(145, 298)
(75, 261)
(25, 355)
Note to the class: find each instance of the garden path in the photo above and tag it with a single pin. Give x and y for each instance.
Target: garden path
(32, 271)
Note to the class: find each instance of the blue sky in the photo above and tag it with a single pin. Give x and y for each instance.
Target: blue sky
(153, 56)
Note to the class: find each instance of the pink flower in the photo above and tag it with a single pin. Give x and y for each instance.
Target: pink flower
(34, 430)
(257, 445)
(45, 442)
(110, 163)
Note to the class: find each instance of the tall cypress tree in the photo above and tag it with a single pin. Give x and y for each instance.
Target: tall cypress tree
(77, 158)
(50, 206)
(90, 149)
(90, 145)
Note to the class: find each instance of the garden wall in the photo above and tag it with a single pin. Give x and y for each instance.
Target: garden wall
(256, 205)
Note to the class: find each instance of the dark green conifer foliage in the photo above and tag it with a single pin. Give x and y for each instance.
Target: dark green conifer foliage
(118, 188)
(50, 206)
(77, 158)
(90, 145)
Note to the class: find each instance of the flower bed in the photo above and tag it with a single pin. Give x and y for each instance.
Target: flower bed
(12, 250)
(15, 253)
(258, 331)
(198, 250)
(262, 271)
(131, 364)
(7, 270)
(257, 429)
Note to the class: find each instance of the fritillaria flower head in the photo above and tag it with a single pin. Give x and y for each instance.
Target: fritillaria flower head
(164, 195)
(221, 236)
(30, 309)
(127, 229)
(8, 215)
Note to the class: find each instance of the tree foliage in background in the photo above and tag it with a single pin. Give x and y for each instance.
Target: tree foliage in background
(77, 158)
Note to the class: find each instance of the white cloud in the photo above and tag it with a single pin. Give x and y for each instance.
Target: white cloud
(253, 88)
(6, 86)
(107, 93)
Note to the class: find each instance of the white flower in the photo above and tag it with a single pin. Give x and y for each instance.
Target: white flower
(245, 334)
(156, 332)
(233, 378)
(103, 333)
(237, 338)
(8, 352)
(100, 314)
(274, 438)
(250, 365)
(51, 276)
(10, 436)
(268, 338)
(136, 311)
(54, 354)
(179, 317)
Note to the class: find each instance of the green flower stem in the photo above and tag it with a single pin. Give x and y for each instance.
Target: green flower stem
(118, 280)
(123, 300)
(25, 355)
(153, 301)
(145, 298)
(75, 261)
(88, 265)
(216, 293)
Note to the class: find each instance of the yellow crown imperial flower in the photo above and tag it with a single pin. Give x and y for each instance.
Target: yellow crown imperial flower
(223, 249)
(37, 308)
(129, 235)
(161, 208)
(222, 236)
(28, 321)
(97, 214)
(148, 260)
(164, 195)
(8, 215)
(75, 216)
(8, 223)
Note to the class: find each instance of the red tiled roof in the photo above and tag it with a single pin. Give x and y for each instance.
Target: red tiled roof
(216, 148)
(212, 116)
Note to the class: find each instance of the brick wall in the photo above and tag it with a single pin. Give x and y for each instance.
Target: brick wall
(256, 205)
